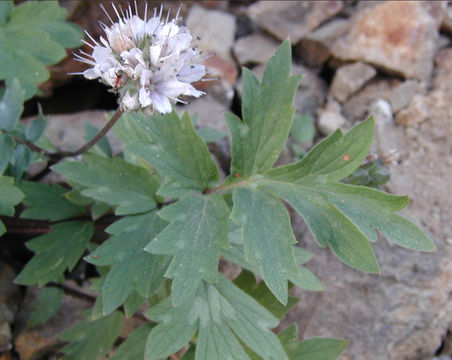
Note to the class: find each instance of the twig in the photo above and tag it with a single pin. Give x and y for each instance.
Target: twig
(57, 156)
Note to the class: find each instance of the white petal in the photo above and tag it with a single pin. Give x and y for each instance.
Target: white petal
(145, 77)
(171, 88)
(144, 97)
(161, 103)
(130, 102)
(155, 52)
(91, 74)
(191, 73)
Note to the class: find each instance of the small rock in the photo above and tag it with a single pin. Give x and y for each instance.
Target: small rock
(385, 137)
(330, 119)
(402, 94)
(293, 19)
(415, 113)
(397, 36)
(9, 301)
(349, 79)
(357, 107)
(225, 72)
(446, 25)
(310, 94)
(38, 340)
(215, 28)
(315, 48)
(254, 49)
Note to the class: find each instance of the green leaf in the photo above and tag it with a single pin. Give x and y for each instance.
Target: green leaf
(133, 303)
(12, 104)
(221, 312)
(299, 276)
(103, 144)
(32, 36)
(21, 161)
(45, 306)
(92, 339)
(267, 237)
(133, 347)
(113, 181)
(176, 150)
(2, 228)
(311, 349)
(329, 225)
(10, 196)
(133, 268)
(6, 151)
(39, 197)
(303, 128)
(267, 115)
(210, 135)
(195, 236)
(334, 158)
(5, 10)
(52, 257)
(35, 130)
(373, 210)
(247, 282)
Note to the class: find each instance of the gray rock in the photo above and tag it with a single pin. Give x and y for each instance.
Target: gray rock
(330, 118)
(447, 20)
(396, 36)
(315, 48)
(215, 29)
(9, 302)
(402, 94)
(31, 343)
(348, 79)
(311, 93)
(293, 19)
(404, 313)
(254, 49)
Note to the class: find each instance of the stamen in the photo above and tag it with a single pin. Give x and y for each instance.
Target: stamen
(210, 79)
(86, 54)
(130, 12)
(161, 10)
(106, 13)
(92, 39)
(87, 43)
(145, 11)
(102, 25)
(178, 11)
(122, 12)
(136, 8)
(76, 73)
(116, 11)
(167, 16)
(85, 61)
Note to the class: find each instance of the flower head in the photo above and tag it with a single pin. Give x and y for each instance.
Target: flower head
(149, 62)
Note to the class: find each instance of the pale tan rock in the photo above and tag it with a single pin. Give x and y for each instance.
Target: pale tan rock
(348, 79)
(315, 48)
(214, 28)
(293, 19)
(399, 37)
(254, 49)
(330, 118)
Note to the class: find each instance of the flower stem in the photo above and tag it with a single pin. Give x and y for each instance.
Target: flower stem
(57, 156)
(62, 154)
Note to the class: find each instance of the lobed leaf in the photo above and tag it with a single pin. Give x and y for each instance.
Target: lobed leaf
(267, 237)
(220, 312)
(92, 339)
(133, 348)
(45, 306)
(267, 116)
(33, 35)
(12, 104)
(310, 349)
(175, 150)
(133, 268)
(52, 257)
(113, 181)
(195, 236)
(38, 196)
(10, 196)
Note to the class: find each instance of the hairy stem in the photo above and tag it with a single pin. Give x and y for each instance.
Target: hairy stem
(57, 156)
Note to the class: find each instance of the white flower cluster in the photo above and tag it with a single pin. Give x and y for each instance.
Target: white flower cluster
(150, 63)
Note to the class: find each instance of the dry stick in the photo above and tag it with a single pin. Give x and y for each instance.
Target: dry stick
(55, 157)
